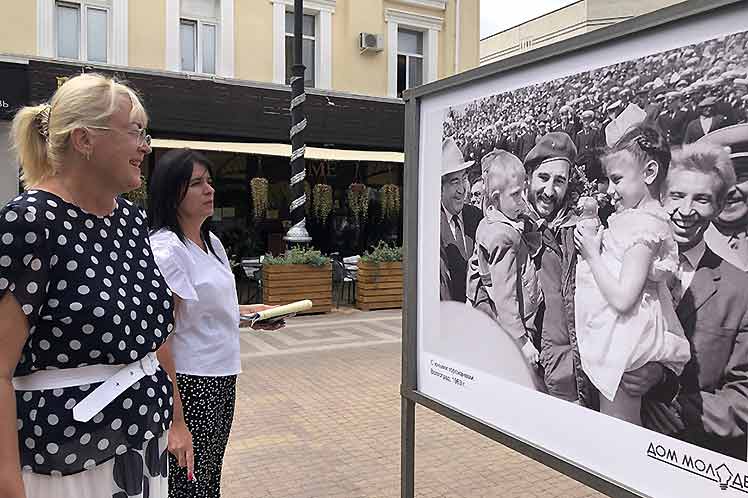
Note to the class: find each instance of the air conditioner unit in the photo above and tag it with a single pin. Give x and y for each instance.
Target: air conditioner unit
(370, 42)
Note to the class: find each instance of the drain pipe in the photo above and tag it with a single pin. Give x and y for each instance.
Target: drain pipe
(457, 36)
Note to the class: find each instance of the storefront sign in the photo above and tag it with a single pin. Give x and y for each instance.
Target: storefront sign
(14, 88)
(324, 170)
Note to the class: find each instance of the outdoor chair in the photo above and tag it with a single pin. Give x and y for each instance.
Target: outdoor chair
(253, 269)
(340, 277)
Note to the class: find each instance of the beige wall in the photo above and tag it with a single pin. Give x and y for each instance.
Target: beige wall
(146, 34)
(470, 34)
(352, 71)
(607, 9)
(18, 31)
(253, 40)
(575, 19)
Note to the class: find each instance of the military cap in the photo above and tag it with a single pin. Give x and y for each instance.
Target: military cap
(708, 101)
(553, 145)
(614, 105)
(588, 114)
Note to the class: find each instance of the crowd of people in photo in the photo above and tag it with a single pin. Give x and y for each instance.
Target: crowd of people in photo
(601, 220)
(685, 91)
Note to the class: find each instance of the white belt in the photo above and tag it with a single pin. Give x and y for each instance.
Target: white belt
(116, 380)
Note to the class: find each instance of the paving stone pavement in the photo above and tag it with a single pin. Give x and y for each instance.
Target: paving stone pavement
(318, 416)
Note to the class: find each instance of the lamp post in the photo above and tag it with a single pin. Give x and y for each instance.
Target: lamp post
(298, 234)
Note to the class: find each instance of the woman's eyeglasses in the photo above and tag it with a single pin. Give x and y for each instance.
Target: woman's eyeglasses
(141, 134)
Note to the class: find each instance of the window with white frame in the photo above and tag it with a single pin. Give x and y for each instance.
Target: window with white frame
(316, 44)
(410, 65)
(198, 35)
(308, 47)
(83, 30)
(413, 49)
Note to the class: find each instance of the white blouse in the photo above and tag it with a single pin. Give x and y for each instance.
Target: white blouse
(206, 336)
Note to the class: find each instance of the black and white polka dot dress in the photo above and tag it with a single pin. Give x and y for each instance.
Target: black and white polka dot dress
(92, 294)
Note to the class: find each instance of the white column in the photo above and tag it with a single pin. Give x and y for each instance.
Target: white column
(8, 166)
(325, 50)
(119, 32)
(45, 28)
(279, 42)
(391, 59)
(173, 62)
(226, 59)
(432, 57)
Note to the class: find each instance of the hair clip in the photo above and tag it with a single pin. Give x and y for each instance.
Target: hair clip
(644, 143)
(42, 121)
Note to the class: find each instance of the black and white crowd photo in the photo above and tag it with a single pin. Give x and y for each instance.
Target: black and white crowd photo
(601, 221)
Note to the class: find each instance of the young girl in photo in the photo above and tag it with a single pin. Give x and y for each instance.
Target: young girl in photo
(623, 309)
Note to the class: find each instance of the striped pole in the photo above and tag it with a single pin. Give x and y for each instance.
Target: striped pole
(297, 234)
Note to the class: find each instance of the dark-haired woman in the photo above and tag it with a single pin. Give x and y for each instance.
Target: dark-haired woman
(205, 342)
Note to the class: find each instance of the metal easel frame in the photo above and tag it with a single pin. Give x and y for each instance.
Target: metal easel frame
(410, 396)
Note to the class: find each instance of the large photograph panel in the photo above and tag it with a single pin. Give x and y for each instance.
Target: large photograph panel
(593, 263)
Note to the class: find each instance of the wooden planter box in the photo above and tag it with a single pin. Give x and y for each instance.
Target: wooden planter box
(380, 286)
(283, 284)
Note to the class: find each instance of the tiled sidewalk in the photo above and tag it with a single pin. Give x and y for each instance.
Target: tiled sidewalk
(318, 416)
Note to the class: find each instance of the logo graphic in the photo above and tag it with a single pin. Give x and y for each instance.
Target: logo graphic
(725, 476)
(720, 474)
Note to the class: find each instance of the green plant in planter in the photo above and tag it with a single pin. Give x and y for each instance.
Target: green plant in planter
(259, 187)
(322, 201)
(390, 201)
(383, 253)
(138, 195)
(358, 200)
(298, 256)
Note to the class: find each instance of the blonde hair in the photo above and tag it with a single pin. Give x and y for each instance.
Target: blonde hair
(710, 159)
(40, 134)
(499, 169)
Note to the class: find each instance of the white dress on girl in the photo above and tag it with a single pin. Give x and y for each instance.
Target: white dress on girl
(611, 343)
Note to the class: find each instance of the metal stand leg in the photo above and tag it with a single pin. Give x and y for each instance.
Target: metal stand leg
(408, 445)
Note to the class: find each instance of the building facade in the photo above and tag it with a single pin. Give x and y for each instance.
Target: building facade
(213, 75)
(403, 40)
(572, 20)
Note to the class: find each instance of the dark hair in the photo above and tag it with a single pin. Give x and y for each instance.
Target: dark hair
(167, 188)
(646, 142)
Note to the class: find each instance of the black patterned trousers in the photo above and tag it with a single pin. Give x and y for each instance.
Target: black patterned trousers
(208, 404)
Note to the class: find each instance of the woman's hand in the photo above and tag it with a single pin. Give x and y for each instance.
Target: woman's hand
(588, 242)
(180, 445)
(248, 309)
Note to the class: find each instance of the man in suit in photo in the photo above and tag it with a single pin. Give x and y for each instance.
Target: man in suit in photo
(459, 220)
(728, 234)
(586, 143)
(707, 405)
(673, 121)
(707, 121)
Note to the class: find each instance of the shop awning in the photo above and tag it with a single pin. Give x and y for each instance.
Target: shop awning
(282, 150)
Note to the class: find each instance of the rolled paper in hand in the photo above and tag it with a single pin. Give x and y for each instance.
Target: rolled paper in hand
(285, 310)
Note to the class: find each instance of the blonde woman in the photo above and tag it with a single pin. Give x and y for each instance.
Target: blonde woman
(84, 405)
